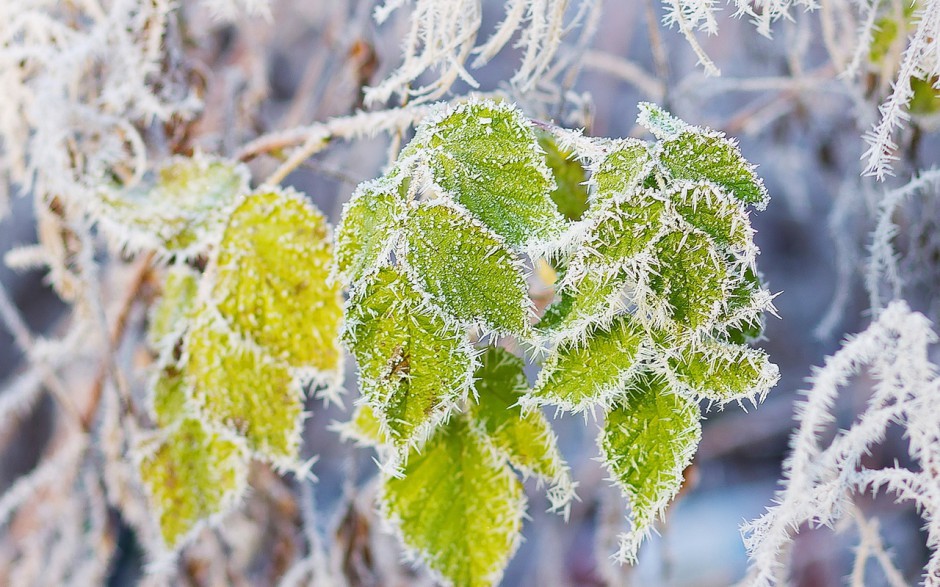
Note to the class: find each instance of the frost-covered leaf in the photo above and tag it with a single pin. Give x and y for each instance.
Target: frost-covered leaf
(526, 439)
(659, 122)
(723, 372)
(466, 269)
(236, 385)
(649, 438)
(689, 283)
(621, 230)
(364, 236)
(580, 375)
(191, 475)
(177, 210)
(414, 366)
(696, 156)
(594, 299)
(270, 280)
(457, 507)
(486, 156)
(706, 208)
(571, 194)
(622, 169)
(168, 395)
(168, 317)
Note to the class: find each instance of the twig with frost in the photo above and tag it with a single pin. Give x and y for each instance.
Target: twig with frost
(443, 35)
(921, 59)
(820, 479)
(883, 266)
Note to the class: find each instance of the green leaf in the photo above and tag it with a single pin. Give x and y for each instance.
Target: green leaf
(581, 375)
(526, 439)
(364, 237)
(649, 438)
(414, 366)
(169, 316)
(619, 230)
(486, 155)
(168, 396)
(571, 194)
(706, 208)
(723, 372)
(176, 211)
(594, 299)
(457, 507)
(623, 169)
(689, 283)
(697, 156)
(235, 385)
(270, 280)
(466, 269)
(191, 475)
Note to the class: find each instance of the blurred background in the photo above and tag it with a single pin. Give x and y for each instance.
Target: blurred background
(795, 117)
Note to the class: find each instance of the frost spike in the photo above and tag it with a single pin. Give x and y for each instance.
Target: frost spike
(191, 476)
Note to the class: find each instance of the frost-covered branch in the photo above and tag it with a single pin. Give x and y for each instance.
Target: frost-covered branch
(820, 479)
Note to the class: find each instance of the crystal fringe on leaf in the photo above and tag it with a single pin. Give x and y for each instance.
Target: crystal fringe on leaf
(648, 439)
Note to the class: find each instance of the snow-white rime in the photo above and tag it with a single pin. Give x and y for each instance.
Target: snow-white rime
(443, 36)
(820, 479)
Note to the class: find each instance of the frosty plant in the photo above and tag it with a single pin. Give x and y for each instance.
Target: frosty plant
(650, 249)
(236, 342)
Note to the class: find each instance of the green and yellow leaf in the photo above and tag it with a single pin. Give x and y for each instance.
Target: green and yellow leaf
(706, 208)
(622, 170)
(722, 372)
(168, 395)
(595, 299)
(485, 154)
(689, 283)
(191, 475)
(270, 280)
(698, 156)
(171, 313)
(524, 438)
(178, 210)
(370, 219)
(456, 507)
(237, 386)
(620, 230)
(571, 194)
(579, 375)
